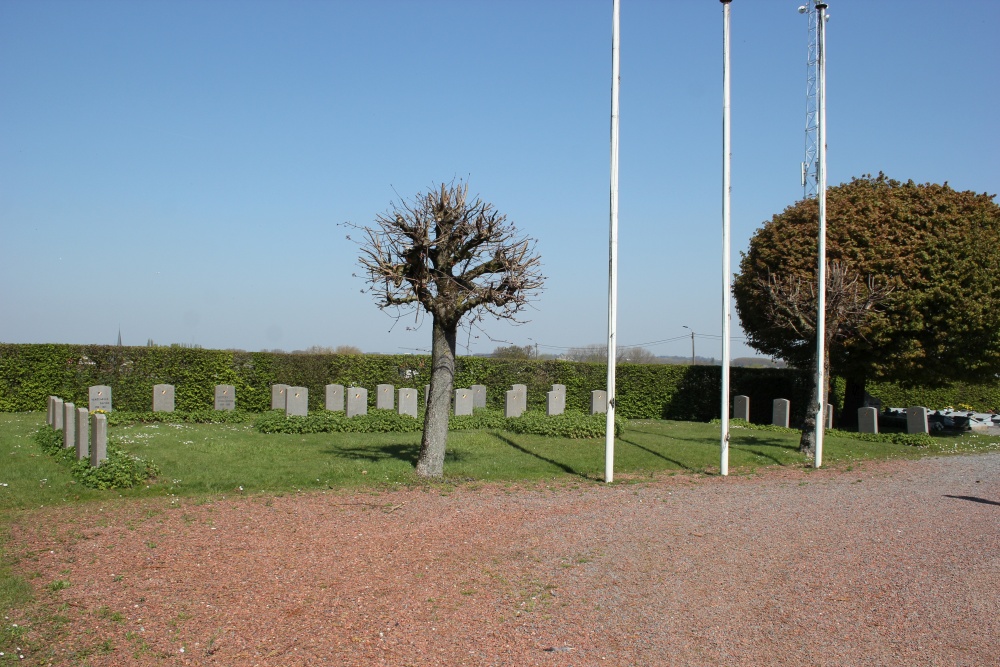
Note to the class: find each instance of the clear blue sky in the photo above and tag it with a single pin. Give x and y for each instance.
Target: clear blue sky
(180, 169)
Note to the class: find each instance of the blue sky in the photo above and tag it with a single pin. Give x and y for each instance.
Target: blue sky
(181, 169)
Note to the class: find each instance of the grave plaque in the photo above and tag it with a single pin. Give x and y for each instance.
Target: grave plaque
(98, 439)
(463, 402)
(512, 404)
(163, 398)
(867, 420)
(560, 389)
(82, 434)
(100, 398)
(335, 397)
(522, 392)
(741, 407)
(278, 396)
(357, 401)
(478, 396)
(385, 398)
(916, 420)
(69, 425)
(408, 402)
(225, 397)
(555, 401)
(57, 414)
(779, 413)
(598, 402)
(296, 402)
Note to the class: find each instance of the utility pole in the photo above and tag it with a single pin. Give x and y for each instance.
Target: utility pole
(821, 269)
(684, 326)
(609, 442)
(727, 189)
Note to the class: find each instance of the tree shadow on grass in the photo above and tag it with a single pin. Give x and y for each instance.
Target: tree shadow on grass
(677, 463)
(562, 466)
(402, 452)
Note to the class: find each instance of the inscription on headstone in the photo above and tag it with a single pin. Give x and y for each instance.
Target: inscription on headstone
(98, 439)
(357, 401)
(555, 401)
(278, 396)
(163, 398)
(779, 413)
(296, 402)
(867, 420)
(100, 398)
(599, 402)
(385, 398)
(57, 414)
(225, 397)
(478, 396)
(408, 402)
(463, 402)
(82, 434)
(741, 407)
(69, 425)
(335, 397)
(916, 420)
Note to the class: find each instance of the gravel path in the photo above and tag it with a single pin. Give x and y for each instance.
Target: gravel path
(894, 563)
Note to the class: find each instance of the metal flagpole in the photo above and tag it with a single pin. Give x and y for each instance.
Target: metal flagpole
(726, 216)
(821, 19)
(609, 447)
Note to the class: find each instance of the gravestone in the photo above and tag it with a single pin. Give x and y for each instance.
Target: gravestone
(357, 401)
(916, 420)
(69, 425)
(867, 420)
(163, 398)
(278, 392)
(385, 399)
(741, 407)
(522, 392)
(98, 439)
(225, 397)
(598, 402)
(560, 389)
(779, 413)
(463, 402)
(335, 397)
(478, 396)
(57, 414)
(829, 415)
(296, 402)
(408, 402)
(555, 401)
(427, 394)
(512, 404)
(100, 398)
(82, 434)
(48, 415)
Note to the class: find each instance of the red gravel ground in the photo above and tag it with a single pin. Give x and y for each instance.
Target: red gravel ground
(893, 563)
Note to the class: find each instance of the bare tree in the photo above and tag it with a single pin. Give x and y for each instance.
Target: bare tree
(452, 257)
(597, 353)
(850, 302)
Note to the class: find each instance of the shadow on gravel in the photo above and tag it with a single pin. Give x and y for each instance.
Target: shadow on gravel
(973, 499)
(567, 468)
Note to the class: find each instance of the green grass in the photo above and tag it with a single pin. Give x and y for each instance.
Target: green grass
(206, 460)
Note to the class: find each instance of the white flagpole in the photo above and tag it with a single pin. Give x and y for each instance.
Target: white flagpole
(726, 223)
(821, 271)
(609, 448)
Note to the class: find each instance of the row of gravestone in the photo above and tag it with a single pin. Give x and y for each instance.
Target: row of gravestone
(916, 416)
(88, 436)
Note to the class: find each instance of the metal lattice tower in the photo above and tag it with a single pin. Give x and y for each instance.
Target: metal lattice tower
(810, 164)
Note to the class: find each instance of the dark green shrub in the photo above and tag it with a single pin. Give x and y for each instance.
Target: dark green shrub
(120, 470)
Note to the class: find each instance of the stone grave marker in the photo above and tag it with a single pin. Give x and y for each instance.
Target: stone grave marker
(357, 401)
(82, 434)
(163, 398)
(296, 402)
(599, 402)
(478, 396)
(278, 392)
(57, 414)
(98, 439)
(408, 402)
(522, 392)
(100, 398)
(780, 412)
(916, 420)
(512, 404)
(463, 402)
(828, 413)
(560, 388)
(335, 397)
(385, 398)
(741, 407)
(48, 415)
(69, 425)
(867, 420)
(225, 397)
(555, 401)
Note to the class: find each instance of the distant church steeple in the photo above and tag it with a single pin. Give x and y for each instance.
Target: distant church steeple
(119, 336)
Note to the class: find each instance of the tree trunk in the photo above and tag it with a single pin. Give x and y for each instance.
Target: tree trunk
(854, 399)
(435, 438)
